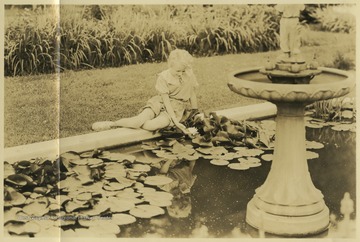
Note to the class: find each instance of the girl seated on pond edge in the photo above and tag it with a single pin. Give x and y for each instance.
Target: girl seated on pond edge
(176, 93)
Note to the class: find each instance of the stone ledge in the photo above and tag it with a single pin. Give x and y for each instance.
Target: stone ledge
(117, 137)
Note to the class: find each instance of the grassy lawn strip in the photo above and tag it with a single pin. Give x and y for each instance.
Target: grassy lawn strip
(31, 102)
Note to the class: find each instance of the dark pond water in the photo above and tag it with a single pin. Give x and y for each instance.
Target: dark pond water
(216, 205)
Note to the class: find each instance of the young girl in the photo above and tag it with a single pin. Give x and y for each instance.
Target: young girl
(176, 93)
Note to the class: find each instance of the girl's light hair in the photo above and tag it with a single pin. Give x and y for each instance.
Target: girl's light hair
(180, 56)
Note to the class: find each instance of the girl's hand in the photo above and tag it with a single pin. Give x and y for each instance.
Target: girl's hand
(184, 130)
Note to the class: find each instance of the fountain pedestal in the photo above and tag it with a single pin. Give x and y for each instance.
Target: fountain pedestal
(288, 203)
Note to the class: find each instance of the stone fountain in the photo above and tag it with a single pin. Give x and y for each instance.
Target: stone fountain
(288, 203)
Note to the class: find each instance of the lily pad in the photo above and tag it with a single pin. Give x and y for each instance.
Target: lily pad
(119, 157)
(314, 145)
(127, 194)
(311, 155)
(315, 125)
(201, 142)
(342, 127)
(118, 205)
(11, 215)
(144, 190)
(157, 180)
(347, 114)
(85, 196)
(146, 211)
(114, 186)
(219, 162)
(249, 160)
(8, 169)
(267, 157)
(96, 210)
(13, 198)
(244, 151)
(24, 228)
(140, 168)
(159, 202)
(238, 166)
(79, 162)
(72, 206)
(123, 219)
(19, 180)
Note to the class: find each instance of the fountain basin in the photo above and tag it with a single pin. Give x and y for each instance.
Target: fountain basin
(331, 83)
(288, 203)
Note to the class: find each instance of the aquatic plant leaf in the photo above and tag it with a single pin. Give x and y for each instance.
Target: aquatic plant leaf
(199, 140)
(72, 206)
(314, 145)
(166, 142)
(125, 182)
(158, 180)
(127, 194)
(248, 160)
(123, 219)
(140, 168)
(87, 154)
(118, 205)
(36, 209)
(267, 157)
(11, 215)
(238, 166)
(347, 114)
(96, 210)
(146, 211)
(84, 196)
(114, 186)
(205, 150)
(94, 232)
(144, 190)
(19, 180)
(53, 231)
(219, 162)
(24, 228)
(13, 197)
(315, 125)
(311, 155)
(342, 127)
(8, 169)
(244, 151)
(159, 202)
(119, 157)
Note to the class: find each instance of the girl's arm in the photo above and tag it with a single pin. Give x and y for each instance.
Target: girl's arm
(193, 100)
(170, 111)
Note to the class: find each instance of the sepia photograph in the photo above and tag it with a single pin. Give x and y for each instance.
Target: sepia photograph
(172, 120)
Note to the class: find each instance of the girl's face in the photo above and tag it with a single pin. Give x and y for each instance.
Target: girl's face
(177, 69)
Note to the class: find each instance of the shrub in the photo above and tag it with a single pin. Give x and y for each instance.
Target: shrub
(336, 18)
(116, 35)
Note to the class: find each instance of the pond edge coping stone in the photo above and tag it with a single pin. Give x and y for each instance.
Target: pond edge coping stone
(115, 137)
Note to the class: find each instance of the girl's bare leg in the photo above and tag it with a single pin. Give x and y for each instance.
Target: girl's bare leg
(136, 121)
(161, 121)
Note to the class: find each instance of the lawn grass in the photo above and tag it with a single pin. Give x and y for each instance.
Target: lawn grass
(32, 113)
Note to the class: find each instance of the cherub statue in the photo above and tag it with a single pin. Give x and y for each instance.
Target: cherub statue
(289, 31)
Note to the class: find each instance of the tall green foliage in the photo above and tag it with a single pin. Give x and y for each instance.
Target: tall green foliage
(37, 42)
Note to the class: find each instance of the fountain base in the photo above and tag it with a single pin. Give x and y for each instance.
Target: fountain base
(287, 225)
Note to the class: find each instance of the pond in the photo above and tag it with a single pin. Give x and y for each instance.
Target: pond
(219, 195)
(127, 196)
